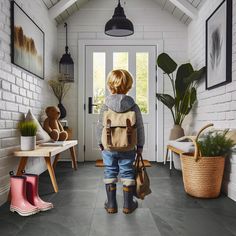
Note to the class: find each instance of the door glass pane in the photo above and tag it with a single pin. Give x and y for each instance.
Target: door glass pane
(120, 60)
(99, 79)
(142, 81)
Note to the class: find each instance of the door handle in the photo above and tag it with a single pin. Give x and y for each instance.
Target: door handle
(91, 105)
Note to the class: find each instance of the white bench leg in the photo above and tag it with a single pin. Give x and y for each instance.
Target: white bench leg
(166, 156)
(171, 159)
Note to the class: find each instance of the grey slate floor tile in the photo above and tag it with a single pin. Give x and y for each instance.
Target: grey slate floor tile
(45, 229)
(79, 208)
(75, 198)
(226, 218)
(80, 183)
(60, 221)
(10, 223)
(185, 222)
(137, 224)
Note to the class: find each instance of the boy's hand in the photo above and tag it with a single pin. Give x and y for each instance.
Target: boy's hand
(101, 147)
(139, 150)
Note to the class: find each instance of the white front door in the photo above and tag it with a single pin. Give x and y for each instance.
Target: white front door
(140, 61)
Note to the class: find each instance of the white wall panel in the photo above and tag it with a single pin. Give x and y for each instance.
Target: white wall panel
(217, 105)
(19, 90)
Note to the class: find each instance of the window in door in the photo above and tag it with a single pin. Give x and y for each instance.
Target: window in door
(142, 81)
(120, 60)
(99, 79)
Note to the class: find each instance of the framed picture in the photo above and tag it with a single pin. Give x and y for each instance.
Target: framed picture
(219, 46)
(27, 42)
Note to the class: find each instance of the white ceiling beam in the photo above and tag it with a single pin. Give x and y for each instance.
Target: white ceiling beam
(186, 7)
(60, 7)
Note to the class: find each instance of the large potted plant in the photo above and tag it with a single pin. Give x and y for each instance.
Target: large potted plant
(60, 90)
(203, 170)
(184, 94)
(28, 131)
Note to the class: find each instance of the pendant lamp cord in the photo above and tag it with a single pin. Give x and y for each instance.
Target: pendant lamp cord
(66, 48)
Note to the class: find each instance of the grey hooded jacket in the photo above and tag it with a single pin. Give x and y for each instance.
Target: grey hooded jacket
(122, 103)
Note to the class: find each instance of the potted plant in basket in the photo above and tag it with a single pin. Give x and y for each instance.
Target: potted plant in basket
(184, 94)
(60, 90)
(203, 170)
(28, 131)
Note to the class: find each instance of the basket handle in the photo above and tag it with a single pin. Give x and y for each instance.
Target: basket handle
(194, 140)
(203, 128)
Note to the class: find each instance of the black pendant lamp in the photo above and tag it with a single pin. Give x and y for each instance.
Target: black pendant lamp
(66, 65)
(119, 25)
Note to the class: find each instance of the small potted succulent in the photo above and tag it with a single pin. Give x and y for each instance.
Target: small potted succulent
(203, 170)
(28, 131)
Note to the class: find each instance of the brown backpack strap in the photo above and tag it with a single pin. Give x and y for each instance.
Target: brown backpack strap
(108, 131)
(129, 131)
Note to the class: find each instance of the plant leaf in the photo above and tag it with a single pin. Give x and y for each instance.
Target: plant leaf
(185, 103)
(181, 84)
(215, 143)
(28, 128)
(166, 99)
(166, 63)
(193, 96)
(195, 76)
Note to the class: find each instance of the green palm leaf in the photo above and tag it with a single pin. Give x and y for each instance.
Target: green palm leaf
(166, 99)
(166, 63)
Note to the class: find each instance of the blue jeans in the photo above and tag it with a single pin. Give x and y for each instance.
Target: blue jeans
(119, 163)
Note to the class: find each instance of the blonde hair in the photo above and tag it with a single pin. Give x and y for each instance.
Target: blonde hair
(119, 81)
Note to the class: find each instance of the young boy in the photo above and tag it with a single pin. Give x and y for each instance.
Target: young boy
(119, 82)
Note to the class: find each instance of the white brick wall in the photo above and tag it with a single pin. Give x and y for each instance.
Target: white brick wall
(19, 90)
(150, 23)
(217, 105)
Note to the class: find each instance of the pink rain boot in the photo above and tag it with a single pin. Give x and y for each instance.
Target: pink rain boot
(32, 182)
(19, 202)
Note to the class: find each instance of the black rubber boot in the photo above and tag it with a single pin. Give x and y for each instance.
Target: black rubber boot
(111, 203)
(129, 203)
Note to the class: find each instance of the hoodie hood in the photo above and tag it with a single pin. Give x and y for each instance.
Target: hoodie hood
(119, 102)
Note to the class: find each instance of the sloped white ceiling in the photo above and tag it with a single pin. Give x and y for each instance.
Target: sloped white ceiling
(164, 4)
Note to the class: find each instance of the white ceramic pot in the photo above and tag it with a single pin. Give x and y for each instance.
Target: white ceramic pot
(177, 162)
(27, 143)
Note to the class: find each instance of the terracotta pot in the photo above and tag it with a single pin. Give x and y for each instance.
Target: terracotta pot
(176, 132)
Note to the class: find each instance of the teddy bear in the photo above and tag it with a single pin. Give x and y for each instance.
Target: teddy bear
(53, 126)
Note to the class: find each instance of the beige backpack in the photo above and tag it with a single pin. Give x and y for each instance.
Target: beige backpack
(119, 131)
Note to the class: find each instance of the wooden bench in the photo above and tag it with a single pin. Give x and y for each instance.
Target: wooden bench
(169, 153)
(179, 147)
(47, 152)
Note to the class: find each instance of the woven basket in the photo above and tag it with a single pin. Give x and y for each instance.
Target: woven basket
(202, 176)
